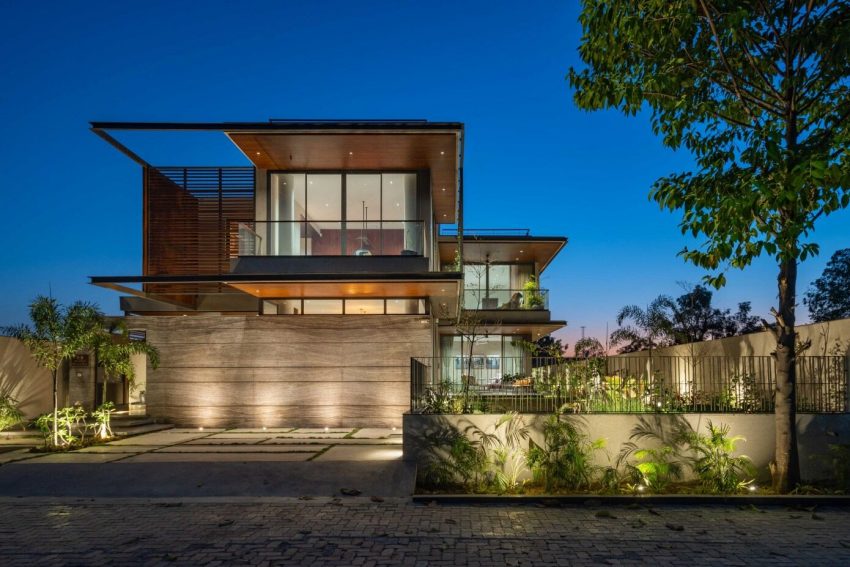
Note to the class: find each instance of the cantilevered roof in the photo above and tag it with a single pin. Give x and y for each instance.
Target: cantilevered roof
(508, 249)
(352, 145)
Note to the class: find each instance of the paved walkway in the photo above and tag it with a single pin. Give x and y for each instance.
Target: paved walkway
(359, 531)
(235, 462)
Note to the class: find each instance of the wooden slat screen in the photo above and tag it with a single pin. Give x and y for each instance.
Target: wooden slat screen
(191, 219)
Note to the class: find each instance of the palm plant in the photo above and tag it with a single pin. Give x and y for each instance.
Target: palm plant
(565, 460)
(115, 351)
(714, 464)
(649, 327)
(663, 460)
(10, 413)
(57, 334)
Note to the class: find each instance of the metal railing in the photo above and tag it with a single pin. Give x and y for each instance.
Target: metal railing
(505, 299)
(473, 232)
(331, 238)
(640, 384)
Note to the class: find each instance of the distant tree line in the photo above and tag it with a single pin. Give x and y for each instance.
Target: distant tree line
(688, 318)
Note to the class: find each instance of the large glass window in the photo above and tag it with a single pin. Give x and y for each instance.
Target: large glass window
(360, 306)
(495, 286)
(493, 358)
(331, 214)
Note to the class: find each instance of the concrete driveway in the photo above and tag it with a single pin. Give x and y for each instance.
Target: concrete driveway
(218, 462)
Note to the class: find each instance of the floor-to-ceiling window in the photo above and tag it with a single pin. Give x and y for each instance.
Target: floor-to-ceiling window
(490, 359)
(495, 286)
(331, 214)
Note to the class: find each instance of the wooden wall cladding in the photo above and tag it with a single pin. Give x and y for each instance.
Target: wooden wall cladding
(192, 215)
(278, 371)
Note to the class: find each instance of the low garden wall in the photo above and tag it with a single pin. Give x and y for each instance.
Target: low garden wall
(815, 433)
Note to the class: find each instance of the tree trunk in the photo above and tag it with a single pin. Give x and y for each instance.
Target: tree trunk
(55, 408)
(786, 475)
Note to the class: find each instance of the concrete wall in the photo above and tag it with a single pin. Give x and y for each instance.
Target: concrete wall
(816, 433)
(23, 379)
(308, 371)
(828, 339)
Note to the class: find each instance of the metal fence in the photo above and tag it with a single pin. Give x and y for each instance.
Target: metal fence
(639, 384)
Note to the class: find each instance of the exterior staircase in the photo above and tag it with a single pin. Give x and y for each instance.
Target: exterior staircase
(126, 424)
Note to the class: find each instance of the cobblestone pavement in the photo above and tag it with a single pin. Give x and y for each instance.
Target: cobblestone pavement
(359, 531)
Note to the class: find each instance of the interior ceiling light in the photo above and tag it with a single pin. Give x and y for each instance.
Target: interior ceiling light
(444, 188)
(258, 153)
(351, 153)
(442, 153)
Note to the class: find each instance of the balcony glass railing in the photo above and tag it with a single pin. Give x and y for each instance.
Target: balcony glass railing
(330, 238)
(507, 299)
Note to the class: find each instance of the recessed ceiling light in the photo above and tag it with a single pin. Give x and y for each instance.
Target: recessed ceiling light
(521, 251)
(397, 205)
(516, 259)
(442, 290)
(258, 153)
(444, 188)
(444, 214)
(442, 153)
(351, 153)
(391, 182)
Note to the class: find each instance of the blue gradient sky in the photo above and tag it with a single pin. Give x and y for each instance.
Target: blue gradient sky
(71, 204)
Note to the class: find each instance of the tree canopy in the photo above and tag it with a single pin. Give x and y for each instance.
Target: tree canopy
(828, 298)
(758, 91)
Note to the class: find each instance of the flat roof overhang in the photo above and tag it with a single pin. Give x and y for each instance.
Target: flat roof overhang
(352, 145)
(441, 287)
(535, 330)
(479, 249)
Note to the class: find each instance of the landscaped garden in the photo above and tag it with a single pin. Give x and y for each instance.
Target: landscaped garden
(531, 433)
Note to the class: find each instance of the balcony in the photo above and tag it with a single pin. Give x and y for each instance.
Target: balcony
(327, 247)
(506, 299)
(330, 238)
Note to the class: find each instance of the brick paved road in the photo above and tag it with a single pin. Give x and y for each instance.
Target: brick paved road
(357, 531)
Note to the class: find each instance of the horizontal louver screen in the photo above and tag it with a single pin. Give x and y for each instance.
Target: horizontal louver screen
(190, 213)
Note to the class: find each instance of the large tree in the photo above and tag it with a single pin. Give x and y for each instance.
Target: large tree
(56, 334)
(757, 91)
(829, 296)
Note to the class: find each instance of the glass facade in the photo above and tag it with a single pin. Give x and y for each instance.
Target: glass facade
(495, 286)
(491, 359)
(341, 214)
(360, 306)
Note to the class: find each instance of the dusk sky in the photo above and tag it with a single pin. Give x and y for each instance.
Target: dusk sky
(72, 204)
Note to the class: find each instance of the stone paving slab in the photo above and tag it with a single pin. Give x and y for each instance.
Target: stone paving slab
(168, 457)
(361, 453)
(302, 435)
(227, 441)
(160, 438)
(206, 430)
(216, 449)
(322, 430)
(346, 441)
(376, 433)
(113, 448)
(239, 430)
(357, 531)
(16, 455)
(75, 457)
(240, 435)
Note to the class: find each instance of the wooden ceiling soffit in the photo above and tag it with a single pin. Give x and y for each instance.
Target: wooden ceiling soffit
(343, 289)
(408, 151)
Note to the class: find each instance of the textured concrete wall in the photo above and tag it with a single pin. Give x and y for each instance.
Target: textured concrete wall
(308, 371)
(815, 434)
(23, 379)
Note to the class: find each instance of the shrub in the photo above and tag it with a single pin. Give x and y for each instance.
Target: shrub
(10, 414)
(714, 464)
(565, 460)
(661, 463)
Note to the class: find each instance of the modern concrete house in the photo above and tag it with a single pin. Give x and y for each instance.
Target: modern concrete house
(297, 289)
